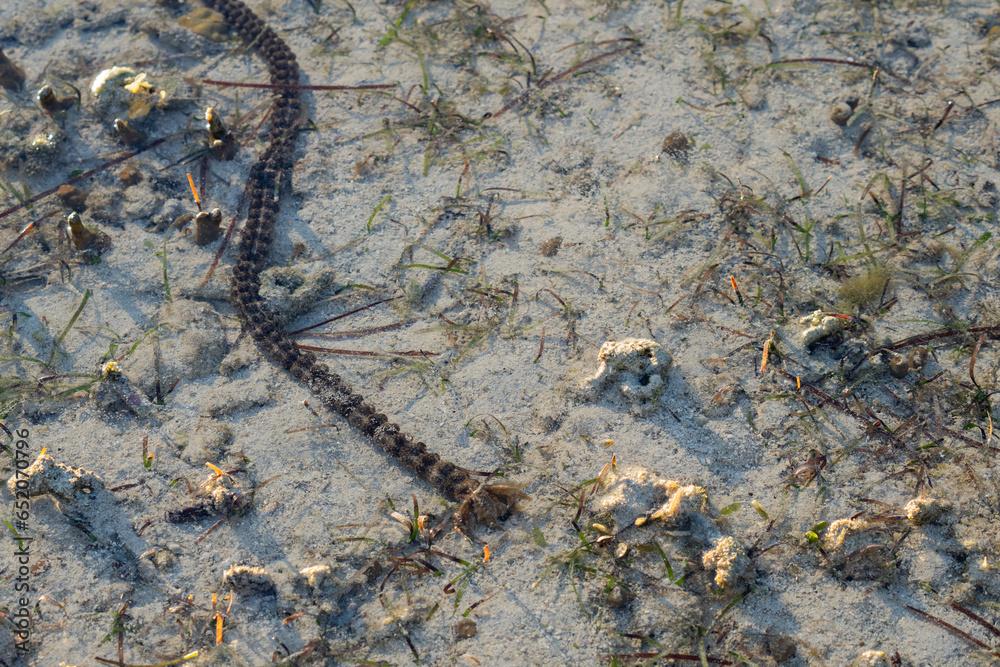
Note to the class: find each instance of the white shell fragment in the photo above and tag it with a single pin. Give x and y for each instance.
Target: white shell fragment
(819, 326)
(633, 368)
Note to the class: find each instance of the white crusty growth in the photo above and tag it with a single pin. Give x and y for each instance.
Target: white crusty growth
(634, 368)
(819, 326)
(727, 559)
(636, 496)
(632, 493)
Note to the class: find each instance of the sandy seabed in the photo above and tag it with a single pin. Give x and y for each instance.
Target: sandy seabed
(781, 215)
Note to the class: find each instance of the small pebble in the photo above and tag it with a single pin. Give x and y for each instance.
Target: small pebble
(72, 197)
(130, 175)
(617, 597)
(550, 247)
(677, 145)
(465, 629)
(129, 134)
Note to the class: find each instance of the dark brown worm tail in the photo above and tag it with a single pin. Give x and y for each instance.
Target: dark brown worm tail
(263, 192)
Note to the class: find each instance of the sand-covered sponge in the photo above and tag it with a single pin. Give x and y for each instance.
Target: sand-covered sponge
(637, 497)
(634, 495)
(81, 497)
(837, 532)
(818, 326)
(922, 510)
(682, 501)
(47, 477)
(727, 560)
(292, 291)
(631, 493)
(872, 658)
(249, 580)
(633, 369)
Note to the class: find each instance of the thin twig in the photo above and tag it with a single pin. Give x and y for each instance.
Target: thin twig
(977, 618)
(366, 353)
(961, 634)
(283, 86)
(343, 315)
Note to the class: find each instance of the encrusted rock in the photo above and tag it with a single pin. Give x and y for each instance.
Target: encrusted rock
(633, 369)
(465, 629)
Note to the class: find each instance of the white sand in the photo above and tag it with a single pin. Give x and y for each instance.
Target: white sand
(649, 242)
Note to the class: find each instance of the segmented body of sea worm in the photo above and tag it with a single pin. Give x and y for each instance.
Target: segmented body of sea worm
(481, 502)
